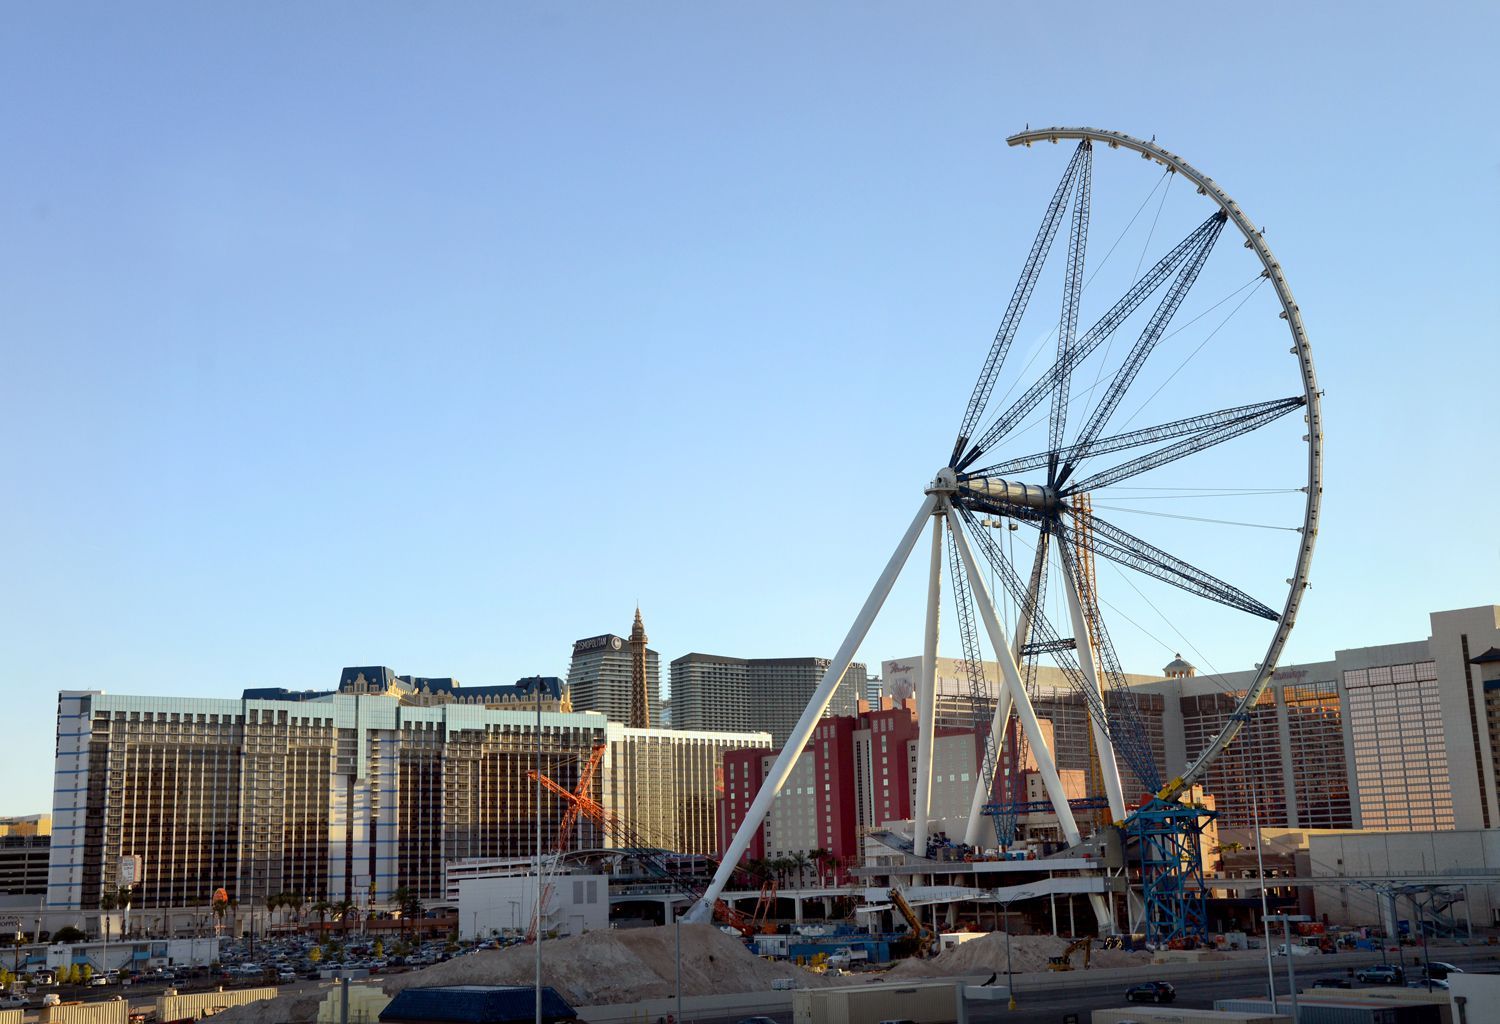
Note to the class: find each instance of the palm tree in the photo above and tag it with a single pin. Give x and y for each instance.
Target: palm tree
(400, 898)
(342, 909)
(800, 864)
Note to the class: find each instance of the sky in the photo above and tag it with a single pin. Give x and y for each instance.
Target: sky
(439, 336)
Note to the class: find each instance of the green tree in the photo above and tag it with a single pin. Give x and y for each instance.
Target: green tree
(69, 934)
(85, 972)
(315, 954)
(380, 947)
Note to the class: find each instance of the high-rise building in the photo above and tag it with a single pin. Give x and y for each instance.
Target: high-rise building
(857, 773)
(23, 864)
(711, 691)
(348, 794)
(666, 784)
(343, 795)
(601, 673)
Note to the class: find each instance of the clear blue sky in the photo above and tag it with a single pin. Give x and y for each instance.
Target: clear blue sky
(437, 335)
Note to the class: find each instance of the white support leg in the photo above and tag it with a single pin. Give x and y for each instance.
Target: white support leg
(999, 725)
(1046, 767)
(1109, 768)
(702, 911)
(1012, 676)
(927, 692)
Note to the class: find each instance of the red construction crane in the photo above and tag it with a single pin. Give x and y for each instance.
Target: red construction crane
(578, 803)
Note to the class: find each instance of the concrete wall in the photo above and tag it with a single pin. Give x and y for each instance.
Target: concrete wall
(1379, 854)
(170, 1006)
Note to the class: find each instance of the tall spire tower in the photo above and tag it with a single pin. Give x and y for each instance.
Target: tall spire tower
(640, 697)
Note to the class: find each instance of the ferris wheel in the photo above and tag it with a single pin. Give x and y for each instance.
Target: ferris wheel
(1142, 427)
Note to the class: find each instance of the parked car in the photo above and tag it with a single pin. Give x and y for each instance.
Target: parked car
(1441, 969)
(1151, 992)
(1435, 983)
(1381, 974)
(11, 1001)
(1334, 983)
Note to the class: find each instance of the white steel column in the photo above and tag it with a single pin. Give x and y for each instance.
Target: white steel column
(927, 690)
(1027, 714)
(702, 911)
(981, 789)
(1109, 768)
(1012, 676)
(1001, 722)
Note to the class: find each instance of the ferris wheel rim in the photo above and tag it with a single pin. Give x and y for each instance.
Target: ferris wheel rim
(1272, 270)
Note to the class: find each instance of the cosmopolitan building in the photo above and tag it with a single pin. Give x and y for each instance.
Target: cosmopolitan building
(340, 795)
(600, 677)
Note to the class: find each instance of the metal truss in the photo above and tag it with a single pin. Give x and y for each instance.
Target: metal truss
(1127, 549)
(1145, 435)
(1067, 324)
(1091, 340)
(1018, 301)
(1150, 335)
(1126, 727)
(1182, 449)
(1134, 750)
(1170, 836)
(979, 692)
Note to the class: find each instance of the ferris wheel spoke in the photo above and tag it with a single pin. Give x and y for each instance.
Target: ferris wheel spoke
(1126, 733)
(1019, 299)
(1045, 635)
(1201, 441)
(1125, 548)
(1092, 339)
(1150, 335)
(1135, 438)
(1067, 323)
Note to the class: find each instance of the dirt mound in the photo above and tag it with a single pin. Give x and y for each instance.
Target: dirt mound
(619, 966)
(1027, 953)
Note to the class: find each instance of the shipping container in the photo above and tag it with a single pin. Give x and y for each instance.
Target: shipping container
(1346, 1009)
(1157, 1015)
(927, 1002)
(110, 1011)
(1392, 995)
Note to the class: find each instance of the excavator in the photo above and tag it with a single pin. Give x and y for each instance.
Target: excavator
(1064, 962)
(925, 936)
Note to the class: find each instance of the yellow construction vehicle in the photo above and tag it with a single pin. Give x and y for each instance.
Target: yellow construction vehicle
(1064, 962)
(925, 936)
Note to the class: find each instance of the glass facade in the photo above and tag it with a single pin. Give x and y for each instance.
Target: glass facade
(1400, 758)
(1252, 769)
(1320, 775)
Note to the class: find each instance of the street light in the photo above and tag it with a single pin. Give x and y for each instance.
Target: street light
(1287, 920)
(1024, 894)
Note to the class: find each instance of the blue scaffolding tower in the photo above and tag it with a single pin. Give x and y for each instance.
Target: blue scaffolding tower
(1170, 839)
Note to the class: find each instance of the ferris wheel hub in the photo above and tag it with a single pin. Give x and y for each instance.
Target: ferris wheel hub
(945, 482)
(1011, 492)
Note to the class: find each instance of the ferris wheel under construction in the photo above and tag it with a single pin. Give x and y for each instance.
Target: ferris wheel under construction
(1063, 495)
